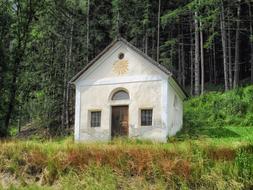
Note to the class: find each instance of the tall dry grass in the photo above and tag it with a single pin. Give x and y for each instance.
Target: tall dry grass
(191, 165)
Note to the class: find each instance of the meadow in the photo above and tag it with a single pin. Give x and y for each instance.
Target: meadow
(213, 151)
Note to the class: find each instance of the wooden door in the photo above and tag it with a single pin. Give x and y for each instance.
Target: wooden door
(119, 121)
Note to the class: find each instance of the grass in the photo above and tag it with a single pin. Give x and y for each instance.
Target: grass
(218, 135)
(216, 109)
(210, 160)
(213, 151)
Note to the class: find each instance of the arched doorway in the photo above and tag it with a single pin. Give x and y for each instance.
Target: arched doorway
(119, 118)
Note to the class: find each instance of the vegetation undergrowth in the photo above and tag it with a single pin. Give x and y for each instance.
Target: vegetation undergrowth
(217, 109)
(126, 164)
(216, 154)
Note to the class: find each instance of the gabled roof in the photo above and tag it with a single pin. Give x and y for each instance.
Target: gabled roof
(120, 39)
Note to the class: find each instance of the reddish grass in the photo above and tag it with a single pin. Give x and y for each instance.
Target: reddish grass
(36, 157)
(81, 158)
(182, 168)
(225, 154)
(140, 161)
(179, 167)
(133, 161)
(35, 162)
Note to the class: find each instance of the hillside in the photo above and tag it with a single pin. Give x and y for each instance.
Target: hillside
(213, 151)
(213, 112)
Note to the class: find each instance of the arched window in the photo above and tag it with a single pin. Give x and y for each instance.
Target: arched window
(120, 95)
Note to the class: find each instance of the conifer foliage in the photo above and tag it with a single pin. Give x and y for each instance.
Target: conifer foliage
(44, 43)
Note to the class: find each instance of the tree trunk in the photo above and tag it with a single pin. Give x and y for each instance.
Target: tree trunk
(179, 75)
(196, 62)
(1, 77)
(251, 42)
(214, 64)
(153, 45)
(88, 31)
(13, 90)
(67, 106)
(191, 62)
(118, 24)
(18, 56)
(210, 61)
(146, 42)
(224, 45)
(230, 58)
(183, 63)
(158, 32)
(63, 116)
(183, 66)
(237, 44)
(202, 59)
(19, 119)
(191, 56)
(68, 70)
(66, 90)
(143, 44)
(2, 62)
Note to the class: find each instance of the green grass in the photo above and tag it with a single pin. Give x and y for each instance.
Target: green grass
(216, 109)
(213, 151)
(210, 160)
(221, 135)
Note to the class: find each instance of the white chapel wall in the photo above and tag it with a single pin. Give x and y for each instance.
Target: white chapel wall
(175, 116)
(142, 95)
(148, 87)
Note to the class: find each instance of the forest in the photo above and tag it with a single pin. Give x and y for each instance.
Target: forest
(206, 44)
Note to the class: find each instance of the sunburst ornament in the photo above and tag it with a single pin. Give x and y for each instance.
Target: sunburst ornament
(120, 67)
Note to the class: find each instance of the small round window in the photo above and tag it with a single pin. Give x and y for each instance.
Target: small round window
(121, 55)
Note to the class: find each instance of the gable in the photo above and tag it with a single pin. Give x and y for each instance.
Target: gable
(135, 66)
(109, 67)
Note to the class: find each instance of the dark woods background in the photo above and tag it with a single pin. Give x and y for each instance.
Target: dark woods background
(207, 44)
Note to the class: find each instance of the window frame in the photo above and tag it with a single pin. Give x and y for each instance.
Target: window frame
(121, 56)
(118, 91)
(90, 118)
(152, 116)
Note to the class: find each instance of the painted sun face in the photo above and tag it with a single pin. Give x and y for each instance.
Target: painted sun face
(120, 67)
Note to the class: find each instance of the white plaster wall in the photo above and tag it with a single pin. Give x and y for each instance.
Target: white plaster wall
(175, 115)
(142, 95)
(148, 87)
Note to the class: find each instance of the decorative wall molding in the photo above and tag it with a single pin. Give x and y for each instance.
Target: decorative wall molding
(120, 80)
